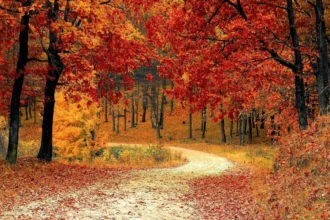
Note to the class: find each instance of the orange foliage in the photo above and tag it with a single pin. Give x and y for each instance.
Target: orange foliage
(73, 128)
(299, 188)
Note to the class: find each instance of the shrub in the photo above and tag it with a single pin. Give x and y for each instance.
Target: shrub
(140, 155)
(299, 187)
(72, 129)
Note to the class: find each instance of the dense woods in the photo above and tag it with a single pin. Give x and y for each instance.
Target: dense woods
(258, 69)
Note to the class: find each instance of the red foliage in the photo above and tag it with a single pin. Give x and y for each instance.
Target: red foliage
(149, 77)
(31, 180)
(302, 173)
(228, 196)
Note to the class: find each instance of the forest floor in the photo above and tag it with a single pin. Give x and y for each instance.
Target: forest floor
(183, 192)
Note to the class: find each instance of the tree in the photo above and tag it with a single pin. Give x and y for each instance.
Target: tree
(17, 87)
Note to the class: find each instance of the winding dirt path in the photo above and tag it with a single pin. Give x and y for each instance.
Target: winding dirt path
(149, 194)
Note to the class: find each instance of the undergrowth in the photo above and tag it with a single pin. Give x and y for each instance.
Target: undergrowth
(299, 187)
(258, 157)
(130, 156)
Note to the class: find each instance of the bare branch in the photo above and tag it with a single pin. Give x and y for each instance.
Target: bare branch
(238, 7)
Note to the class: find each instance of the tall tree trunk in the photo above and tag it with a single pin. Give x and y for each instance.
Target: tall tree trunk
(125, 119)
(17, 90)
(144, 107)
(172, 100)
(162, 111)
(158, 113)
(144, 102)
(273, 126)
(241, 135)
(153, 100)
(257, 129)
(118, 120)
(203, 122)
(113, 117)
(257, 118)
(162, 106)
(245, 125)
(99, 96)
(26, 112)
(223, 133)
(46, 149)
(132, 112)
(190, 125)
(35, 110)
(151, 117)
(222, 128)
(137, 111)
(322, 73)
(262, 120)
(30, 108)
(54, 60)
(244, 129)
(250, 122)
(231, 132)
(253, 118)
(106, 120)
(298, 70)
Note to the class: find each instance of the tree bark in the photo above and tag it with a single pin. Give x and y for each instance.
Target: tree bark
(158, 113)
(262, 120)
(136, 111)
(17, 90)
(35, 110)
(244, 129)
(144, 103)
(113, 117)
(46, 149)
(245, 125)
(298, 70)
(125, 119)
(162, 106)
(223, 133)
(144, 107)
(257, 129)
(172, 100)
(132, 113)
(190, 125)
(231, 132)
(322, 73)
(153, 100)
(118, 120)
(106, 120)
(222, 128)
(26, 113)
(241, 142)
(54, 60)
(203, 122)
(30, 108)
(250, 128)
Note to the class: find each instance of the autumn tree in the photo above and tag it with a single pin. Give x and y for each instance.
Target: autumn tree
(18, 83)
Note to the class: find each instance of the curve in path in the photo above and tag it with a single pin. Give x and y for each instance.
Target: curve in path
(149, 194)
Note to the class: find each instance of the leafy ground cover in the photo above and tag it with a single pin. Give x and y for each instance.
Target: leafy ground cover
(264, 183)
(31, 180)
(228, 196)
